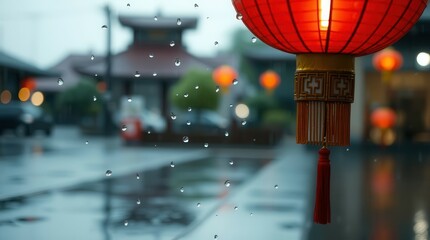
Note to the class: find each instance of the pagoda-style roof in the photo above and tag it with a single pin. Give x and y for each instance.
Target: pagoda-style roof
(137, 58)
(16, 64)
(138, 22)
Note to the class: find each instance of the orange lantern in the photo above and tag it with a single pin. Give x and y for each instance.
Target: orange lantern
(224, 76)
(387, 61)
(29, 83)
(383, 118)
(269, 80)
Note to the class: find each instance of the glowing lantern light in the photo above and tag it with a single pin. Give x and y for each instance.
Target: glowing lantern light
(224, 76)
(24, 94)
(326, 35)
(37, 98)
(5, 96)
(269, 80)
(383, 118)
(29, 83)
(387, 61)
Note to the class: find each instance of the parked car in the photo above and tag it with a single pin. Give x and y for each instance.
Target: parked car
(24, 119)
(204, 121)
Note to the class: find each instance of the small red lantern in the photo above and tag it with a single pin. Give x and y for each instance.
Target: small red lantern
(326, 35)
(224, 76)
(269, 80)
(383, 118)
(387, 61)
(29, 83)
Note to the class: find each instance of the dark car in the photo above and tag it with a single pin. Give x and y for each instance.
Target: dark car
(204, 122)
(24, 118)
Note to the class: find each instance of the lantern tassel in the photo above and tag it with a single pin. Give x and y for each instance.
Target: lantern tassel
(322, 198)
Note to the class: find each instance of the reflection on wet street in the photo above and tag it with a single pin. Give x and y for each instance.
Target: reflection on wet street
(379, 194)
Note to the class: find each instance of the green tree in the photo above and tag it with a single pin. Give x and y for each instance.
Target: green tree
(195, 89)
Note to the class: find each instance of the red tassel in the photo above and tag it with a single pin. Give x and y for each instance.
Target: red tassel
(322, 198)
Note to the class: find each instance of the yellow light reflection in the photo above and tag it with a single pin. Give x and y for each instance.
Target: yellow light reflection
(5, 96)
(37, 98)
(325, 13)
(24, 94)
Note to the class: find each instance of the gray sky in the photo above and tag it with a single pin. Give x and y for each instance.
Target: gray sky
(42, 32)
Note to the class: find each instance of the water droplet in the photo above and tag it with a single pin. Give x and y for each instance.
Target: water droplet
(243, 123)
(235, 208)
(154, 74)
(251, 214)
(347, 149)
(137, 176)
(151, 55)
(276, 186)
(185, 139)
(86, 142)
(129, 99)
(177, 62)
(215, 236)
(217, 89)
(172, 116)
(108, 173)
(182, 189)
(92, 57)
(196, 87)
(155, 18)
(206, 145)
(375, 160)
(126, 223)
(104, 27)
(128, 4)
(198, 204)
(231, 105)
(239, 16)
(254, 139)
(178, 22)
(138, 201)
(188, 123)
(149, 132)
(189, 109)
(231, 162)
(95, 75)
(227, 183)
(94, 98)
(196, 5)
(172, 164)
(186, 95)
(226, 134)
(253, 39)
(137, 74)
(172, 43)
(216, 43)
(124, 128)
(60, 81)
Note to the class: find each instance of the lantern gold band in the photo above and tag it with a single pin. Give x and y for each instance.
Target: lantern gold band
(322, 61)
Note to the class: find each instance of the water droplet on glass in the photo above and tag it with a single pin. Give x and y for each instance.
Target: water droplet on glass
(231, 105)
(198, 204)
(196, 5)
(226, 134)
(347, 149)
(216, 43)
(129, 100)
(94, 98)
(137, 74)
(154, 74)
(172, 164)
(235, 81)
(188, 123)
(215, 236)
(108, 173)
(172, 116)
(124, 128)
(189, 109)
(235, 208)
(185, 139)
(276, 186)
(138, 201)
(137, 176)
(151, 55)
(182, 189)
(155, 18)
(128, 4)
(92, 57)
(239, 16)
(206, 145)
(217, 89)
(178, 22)
(95, 75)
(231, 162)
(60, 81)
(243, 123)
(253, 39)
(227, 183)
(186, 95)
(172, 43)
(104, 27)
(149, 132)
(86, 142)
(196, 87)
(177, 62)
(251, 214)
(126, 223)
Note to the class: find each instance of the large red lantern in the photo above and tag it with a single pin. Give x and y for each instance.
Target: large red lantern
(224, 76)
(387, 61)
(383, 118)
(269, 80)
(326, 35)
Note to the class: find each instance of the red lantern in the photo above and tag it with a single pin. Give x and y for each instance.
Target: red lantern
(387, 61)
(269, 80)
(383, 118)
(29, 83)
(326, 35)
(224, 76)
